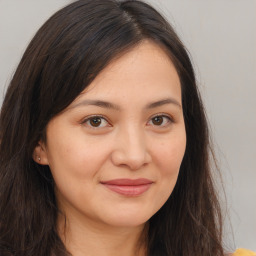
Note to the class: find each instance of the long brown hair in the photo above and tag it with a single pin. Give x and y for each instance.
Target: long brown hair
(63, 58)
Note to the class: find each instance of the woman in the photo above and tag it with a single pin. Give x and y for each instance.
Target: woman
(104, 141)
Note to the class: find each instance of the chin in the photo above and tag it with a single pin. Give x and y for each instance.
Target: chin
(127, 219)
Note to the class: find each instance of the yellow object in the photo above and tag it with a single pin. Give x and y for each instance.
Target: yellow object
(244, 252)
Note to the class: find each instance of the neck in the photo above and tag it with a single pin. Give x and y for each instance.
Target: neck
(91, 238)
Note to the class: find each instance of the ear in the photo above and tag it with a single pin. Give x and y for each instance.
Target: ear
(40, 154)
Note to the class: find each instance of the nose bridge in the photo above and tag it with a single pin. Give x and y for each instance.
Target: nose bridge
(135, 141)
(131, 147)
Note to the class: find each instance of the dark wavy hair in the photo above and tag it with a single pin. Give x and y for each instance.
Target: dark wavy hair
(63, 58)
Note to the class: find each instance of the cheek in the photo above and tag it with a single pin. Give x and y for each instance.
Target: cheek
(169, 154)
(76, 165)
(168, 158)
(74, 154)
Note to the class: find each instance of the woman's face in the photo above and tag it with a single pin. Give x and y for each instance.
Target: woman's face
(115, 152)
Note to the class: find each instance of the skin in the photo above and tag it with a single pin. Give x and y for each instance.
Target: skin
(127, 142)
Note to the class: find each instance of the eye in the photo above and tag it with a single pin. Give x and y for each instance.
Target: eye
(96, 122)
(160, 120)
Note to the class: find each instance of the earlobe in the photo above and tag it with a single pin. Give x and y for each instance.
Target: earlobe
(40, 154)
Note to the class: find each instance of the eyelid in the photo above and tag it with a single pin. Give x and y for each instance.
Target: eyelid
(88, 118)
(164, 115)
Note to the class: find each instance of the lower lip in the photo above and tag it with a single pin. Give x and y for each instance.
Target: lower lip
(129, 190)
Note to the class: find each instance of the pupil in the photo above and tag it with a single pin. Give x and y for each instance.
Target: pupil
(157, 120)
(95, 121)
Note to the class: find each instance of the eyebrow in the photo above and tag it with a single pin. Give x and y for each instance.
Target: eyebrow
(163, 102)
(98, 103)
(109, 105)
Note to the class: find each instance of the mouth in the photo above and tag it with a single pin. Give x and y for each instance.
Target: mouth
(128, 187)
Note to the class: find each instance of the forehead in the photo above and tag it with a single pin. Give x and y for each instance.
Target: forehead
(143, 72)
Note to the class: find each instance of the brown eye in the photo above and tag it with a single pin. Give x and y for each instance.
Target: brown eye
(160, 120)
(95, 121)
(157, 120)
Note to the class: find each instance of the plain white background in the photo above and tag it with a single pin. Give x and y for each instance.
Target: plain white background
(221, 38)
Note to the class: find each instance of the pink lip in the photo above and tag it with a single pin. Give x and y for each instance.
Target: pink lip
(128, 187)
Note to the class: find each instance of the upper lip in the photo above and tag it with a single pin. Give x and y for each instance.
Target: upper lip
(127, 182)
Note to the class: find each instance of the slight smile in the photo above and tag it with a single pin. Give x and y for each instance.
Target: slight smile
(128, 187)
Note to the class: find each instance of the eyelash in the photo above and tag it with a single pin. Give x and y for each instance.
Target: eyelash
(90, 118)
(167, 119)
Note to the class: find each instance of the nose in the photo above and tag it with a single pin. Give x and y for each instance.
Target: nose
(131, 149)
